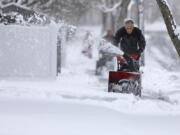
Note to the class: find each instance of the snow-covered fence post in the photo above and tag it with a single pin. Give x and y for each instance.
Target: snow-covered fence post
(61, 52)
(59, 44)
(170, 23)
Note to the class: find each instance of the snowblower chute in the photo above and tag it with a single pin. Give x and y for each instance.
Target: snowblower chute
(127, 78)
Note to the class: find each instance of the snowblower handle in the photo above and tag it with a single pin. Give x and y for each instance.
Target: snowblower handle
(126, 57)
(134, 56)
(120, 58)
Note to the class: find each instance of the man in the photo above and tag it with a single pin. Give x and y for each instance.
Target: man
(131, 40)
(109, 37)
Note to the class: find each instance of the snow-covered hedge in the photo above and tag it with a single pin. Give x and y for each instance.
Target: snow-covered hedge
(28, 51)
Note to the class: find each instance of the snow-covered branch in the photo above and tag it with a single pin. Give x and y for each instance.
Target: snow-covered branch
(103, 7)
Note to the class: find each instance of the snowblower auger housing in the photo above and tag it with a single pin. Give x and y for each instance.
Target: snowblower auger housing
(125, 80)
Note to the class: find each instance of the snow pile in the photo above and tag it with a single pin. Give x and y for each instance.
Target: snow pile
(161, 75)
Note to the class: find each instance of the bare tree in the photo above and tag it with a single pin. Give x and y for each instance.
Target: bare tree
(140, 4)
(113, 17)
(103, 8)
(116, 11)
(123, 12)
(170, 23)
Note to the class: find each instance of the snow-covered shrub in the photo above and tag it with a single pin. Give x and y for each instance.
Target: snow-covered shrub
(38, 19)
(18, 18)
(71, 31)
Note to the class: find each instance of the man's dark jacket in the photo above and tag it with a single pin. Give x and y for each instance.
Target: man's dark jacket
(133, 43)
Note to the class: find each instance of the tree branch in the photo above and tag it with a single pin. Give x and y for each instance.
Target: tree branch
(106, 9)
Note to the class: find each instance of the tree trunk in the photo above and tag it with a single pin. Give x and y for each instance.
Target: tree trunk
(123, 13)
(140, 4)
(104, 19)
(108, 18)
(104, 22)
(112, 18)
(170, 23)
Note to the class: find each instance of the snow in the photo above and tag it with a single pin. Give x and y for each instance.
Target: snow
(132, 2)
(161, 26)
(156, 26)
(16, 4)
(77, 102)
(106, 9)
(108, 48)
(52, 117)
(28, 51)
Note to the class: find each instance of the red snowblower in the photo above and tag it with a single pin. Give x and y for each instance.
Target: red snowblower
(126, 78)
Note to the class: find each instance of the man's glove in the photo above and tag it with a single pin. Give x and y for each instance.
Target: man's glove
(139, 55)
(140, 51)
(129, 62)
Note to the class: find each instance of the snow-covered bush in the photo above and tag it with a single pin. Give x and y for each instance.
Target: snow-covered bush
(16, 18)
(71, 31)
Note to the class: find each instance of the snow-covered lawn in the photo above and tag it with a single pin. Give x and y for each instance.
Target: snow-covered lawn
(77, 102)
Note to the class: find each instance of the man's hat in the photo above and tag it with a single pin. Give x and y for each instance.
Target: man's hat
(128, 21)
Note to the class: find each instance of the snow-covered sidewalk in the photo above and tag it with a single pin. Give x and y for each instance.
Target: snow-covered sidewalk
(27, 117)
(78, 83)
(77, 102)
